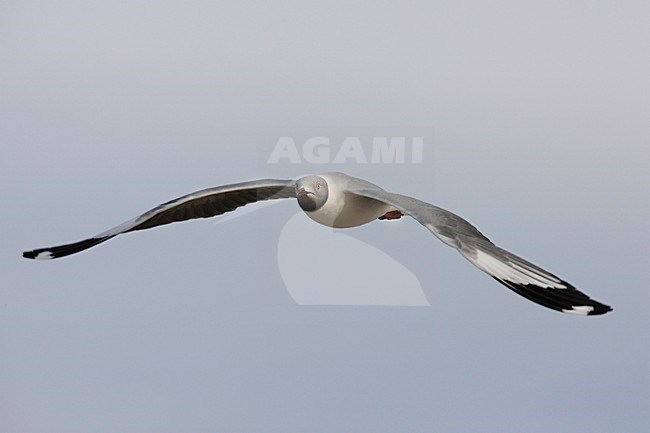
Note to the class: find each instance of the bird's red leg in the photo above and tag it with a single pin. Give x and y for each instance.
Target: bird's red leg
(392, 215)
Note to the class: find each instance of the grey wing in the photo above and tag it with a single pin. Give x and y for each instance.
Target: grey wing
(519, 275)
(200, 204)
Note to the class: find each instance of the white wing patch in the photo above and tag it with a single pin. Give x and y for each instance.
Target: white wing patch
(45, 255)
(580, 310)
(515, 272)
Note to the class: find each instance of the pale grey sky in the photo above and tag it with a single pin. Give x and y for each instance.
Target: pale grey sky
(540, 112)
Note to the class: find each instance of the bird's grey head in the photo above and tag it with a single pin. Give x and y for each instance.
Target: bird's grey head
(312, 192)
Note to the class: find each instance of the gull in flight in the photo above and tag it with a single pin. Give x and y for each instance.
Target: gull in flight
(340, 201)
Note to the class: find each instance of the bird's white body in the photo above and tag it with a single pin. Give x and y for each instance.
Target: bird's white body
(344, 210)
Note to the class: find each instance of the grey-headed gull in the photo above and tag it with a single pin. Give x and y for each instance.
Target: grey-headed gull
(340, 201)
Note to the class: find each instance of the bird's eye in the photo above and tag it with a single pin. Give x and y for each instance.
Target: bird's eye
(317, 185)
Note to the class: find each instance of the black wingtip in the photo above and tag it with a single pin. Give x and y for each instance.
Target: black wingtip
(600, 309)
(30, 254)
(63, 250)
(569, 300)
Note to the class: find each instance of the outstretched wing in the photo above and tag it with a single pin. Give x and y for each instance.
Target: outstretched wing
(200, 204)
(519, 275)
